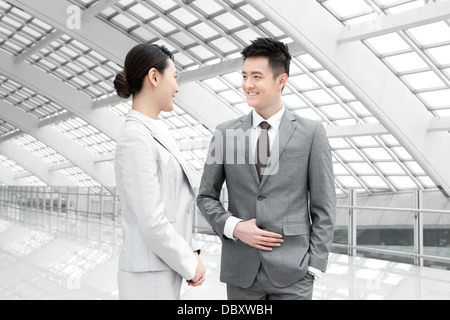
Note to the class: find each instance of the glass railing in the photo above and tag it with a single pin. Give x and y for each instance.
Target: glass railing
(386, 231)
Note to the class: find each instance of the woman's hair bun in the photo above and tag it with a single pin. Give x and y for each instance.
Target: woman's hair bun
(122, 86)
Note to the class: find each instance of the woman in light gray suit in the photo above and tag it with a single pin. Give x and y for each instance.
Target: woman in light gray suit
(154, 187)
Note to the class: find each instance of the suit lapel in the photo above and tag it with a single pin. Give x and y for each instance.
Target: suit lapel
(285, 133)
(247, 125)
(161, 140)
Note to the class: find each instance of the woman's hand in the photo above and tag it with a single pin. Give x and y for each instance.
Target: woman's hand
(199, 277)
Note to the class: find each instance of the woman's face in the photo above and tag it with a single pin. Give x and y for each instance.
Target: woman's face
(168, 87)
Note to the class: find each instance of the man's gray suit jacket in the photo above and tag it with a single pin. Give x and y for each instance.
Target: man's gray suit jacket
(296, 198)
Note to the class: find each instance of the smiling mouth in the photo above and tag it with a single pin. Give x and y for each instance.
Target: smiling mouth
(252, 94)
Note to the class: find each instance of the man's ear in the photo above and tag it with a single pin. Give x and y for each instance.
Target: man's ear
(152, 76)
(283, 79)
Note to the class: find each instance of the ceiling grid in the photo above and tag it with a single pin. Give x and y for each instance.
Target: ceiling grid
(209, 34)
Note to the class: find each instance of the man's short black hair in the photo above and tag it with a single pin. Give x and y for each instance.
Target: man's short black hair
(277, 52)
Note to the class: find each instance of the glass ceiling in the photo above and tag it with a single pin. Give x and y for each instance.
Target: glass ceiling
(202, 33)
(419, 56)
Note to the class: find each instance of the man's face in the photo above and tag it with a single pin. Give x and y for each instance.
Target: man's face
(260, 87)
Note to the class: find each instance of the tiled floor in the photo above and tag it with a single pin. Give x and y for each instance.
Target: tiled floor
(62, 259)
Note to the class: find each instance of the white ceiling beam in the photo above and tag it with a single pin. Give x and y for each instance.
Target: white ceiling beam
(384, 24)
(204, 106)
(94, 33)
(226, 66)
(62, 94)
(34, 165)
(440, 124)
(7, 176)
(357, 130)
(59, 142)
(361, 72)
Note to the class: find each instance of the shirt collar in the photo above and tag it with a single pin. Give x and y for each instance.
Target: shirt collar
(274, 120)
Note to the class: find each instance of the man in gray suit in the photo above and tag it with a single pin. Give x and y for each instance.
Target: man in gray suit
(278, 228)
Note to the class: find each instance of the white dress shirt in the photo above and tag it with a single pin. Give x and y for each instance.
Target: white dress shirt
(274, 122)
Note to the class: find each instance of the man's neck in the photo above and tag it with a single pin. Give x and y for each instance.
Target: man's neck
(268, 112)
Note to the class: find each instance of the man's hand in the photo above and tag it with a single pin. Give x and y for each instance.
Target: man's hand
(249, 233)
(199, 277)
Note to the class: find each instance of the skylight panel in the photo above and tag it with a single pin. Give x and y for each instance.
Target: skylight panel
(348, 8)
(423, 80)
(124, 21)
(335, 111)
(231, 96)
(202, 52)
(183, 16)
(389, 43)
(204, 30)
(224, 45)
(408, 62)
(436, 99)
(142, 12)
(432, 33)
(229, 21)
(362, 168)
(402, 183)
(441, 55)
(143, 34)
(377, 154)
(349, 155)
(163, 26)
(374, 182)
(207, 7)
(389, 168)
(216, 84)
(183, 39)
(319, 97)
(303, 82)
(272, 29)
(308, 113)
(293, 101)
(348, 182)
(309, 62)
(247, 35)
(163, 5)
(407, 6)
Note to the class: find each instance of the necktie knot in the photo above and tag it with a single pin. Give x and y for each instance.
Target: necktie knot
(264, 125)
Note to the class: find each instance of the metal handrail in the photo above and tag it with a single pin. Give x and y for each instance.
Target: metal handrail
(394, 209)
(392, 252)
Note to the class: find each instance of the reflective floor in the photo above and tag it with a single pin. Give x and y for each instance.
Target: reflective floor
(71, 259)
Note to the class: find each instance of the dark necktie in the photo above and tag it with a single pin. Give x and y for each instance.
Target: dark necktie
(262, 149)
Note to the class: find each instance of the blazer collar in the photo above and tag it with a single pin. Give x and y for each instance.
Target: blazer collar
(285, 133)
(159, 136)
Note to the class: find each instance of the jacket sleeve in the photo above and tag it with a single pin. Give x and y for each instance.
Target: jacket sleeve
(322, 199)
(208, 200)
(138, 164)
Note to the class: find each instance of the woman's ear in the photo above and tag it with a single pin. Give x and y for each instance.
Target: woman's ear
(153, 77)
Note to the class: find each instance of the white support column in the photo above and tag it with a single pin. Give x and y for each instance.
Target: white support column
(56, 140)
(418, 229)
(361, 72)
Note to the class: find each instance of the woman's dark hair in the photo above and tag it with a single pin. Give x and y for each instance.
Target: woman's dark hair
(138, 63)
(277, 52)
